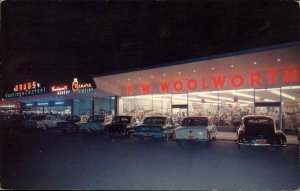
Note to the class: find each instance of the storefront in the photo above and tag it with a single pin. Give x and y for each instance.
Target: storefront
(64, 99)
(263, 81)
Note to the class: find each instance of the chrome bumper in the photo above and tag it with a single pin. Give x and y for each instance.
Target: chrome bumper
(260, 144)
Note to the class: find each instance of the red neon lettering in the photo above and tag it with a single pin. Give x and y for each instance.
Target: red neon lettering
(21, 87)
(178, 86)
(191, 84)
(255, 79)
(29, 86)
(219, 81)
(33, 85)
(129, 90)
(291, 76)
(146, 88)
(237, 81)
(25, 86)
(165, 87)
(272, 76)
(17, 88)
(204, 85)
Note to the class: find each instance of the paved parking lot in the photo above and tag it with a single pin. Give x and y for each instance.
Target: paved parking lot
(51, 160)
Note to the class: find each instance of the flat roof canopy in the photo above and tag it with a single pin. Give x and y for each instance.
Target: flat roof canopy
(263, 60)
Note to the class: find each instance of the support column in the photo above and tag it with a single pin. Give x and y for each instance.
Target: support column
(280, 111)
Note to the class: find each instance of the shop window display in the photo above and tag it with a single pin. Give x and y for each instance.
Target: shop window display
(104, 105)
(291, 107)
(226, 108)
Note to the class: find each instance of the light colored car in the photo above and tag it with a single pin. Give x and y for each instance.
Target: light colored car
(195, 129)
(42, 122)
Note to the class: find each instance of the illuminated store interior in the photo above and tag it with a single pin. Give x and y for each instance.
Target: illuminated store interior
(263, 81)
(225, 107)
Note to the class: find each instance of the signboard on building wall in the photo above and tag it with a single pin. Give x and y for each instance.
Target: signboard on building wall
(79, 87)
(26, 89)
(235, 80)
(60, 90)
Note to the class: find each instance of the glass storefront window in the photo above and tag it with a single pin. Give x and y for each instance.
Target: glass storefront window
(290, 107)
(145, 105)
(226, 107)
(82, 107)
(267, 103)
(104, 105)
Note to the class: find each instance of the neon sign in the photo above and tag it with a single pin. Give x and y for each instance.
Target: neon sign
(26, 86)
(81, 88)
(60, 90)
(26, 89)
(235, 81)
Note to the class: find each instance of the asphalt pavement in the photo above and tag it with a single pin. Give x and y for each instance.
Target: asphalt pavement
(52, 160)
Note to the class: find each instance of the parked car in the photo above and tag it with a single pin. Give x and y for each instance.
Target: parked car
(42, 122)
(157, 127)
(95, 123)
(14, 120)
(121, 125)
(260, 131)
(195, 129)
(70, 124)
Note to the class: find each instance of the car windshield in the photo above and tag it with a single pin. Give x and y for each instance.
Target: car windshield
(38, 117)
(155, 120)
(195, 121)
(121, 120)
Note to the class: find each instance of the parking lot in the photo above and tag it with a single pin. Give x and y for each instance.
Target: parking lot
(52, 160)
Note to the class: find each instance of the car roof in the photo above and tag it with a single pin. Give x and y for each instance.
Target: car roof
(162, 116)
(124, 116)
(190, 117)
(256, 117)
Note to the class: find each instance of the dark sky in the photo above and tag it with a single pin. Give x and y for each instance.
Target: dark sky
(54, 41)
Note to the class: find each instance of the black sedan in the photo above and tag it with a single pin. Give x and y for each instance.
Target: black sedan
(260, 131)
(121, 126)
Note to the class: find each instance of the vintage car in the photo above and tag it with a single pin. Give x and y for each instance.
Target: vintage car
(121, 125)
(195, 129)
(260, 131)
(95, 123)
(70, 124)
(157, 127)
(41, 122)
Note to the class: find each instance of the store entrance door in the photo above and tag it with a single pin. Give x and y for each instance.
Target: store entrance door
(179, 112)
(271, 109)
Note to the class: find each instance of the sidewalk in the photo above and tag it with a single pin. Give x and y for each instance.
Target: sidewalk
(231, 136)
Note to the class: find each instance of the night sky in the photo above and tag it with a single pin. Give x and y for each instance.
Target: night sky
(54, 41)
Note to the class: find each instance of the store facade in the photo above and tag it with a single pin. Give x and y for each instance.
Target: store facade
(226, 87)
(63, 99)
